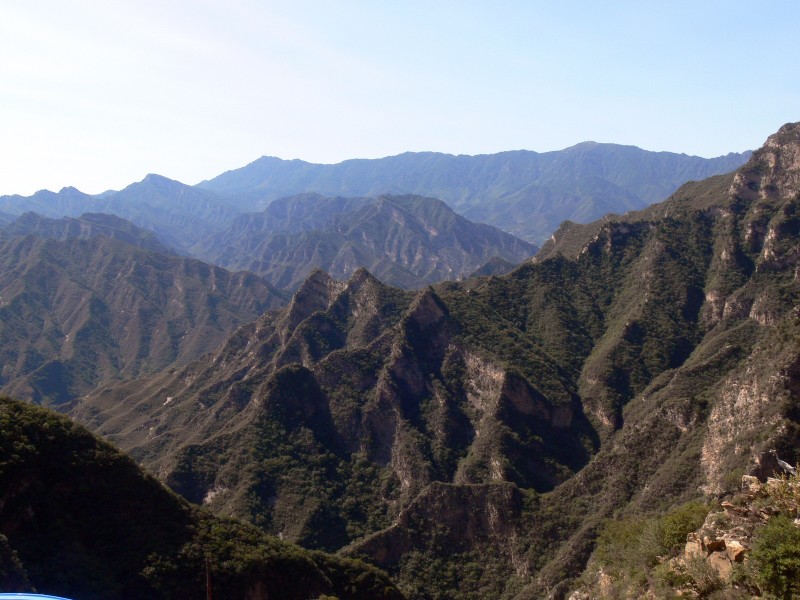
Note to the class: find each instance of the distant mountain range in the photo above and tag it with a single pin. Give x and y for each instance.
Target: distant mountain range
(178, 214)
(525, 193)
(406, 241)
(86, 226)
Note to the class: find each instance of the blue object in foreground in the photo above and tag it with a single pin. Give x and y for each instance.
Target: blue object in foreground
(6, 596)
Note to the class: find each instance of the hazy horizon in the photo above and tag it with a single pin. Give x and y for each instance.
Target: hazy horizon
(96, 95)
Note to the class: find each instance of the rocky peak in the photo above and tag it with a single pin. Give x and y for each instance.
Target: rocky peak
(773, 172)
(359, 279)
(315, 294)
(427, 308)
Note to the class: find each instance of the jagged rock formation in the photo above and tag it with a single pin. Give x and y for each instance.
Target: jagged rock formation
(75, 313)
(608, 376)
(380, 381)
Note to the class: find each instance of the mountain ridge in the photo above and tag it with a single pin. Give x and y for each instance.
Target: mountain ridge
(81, 519)
(488, 187)
(409, 241)
(75, 312)
(604, 379)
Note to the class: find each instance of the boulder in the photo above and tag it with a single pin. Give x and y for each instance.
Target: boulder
(735, 551)
(720, 562)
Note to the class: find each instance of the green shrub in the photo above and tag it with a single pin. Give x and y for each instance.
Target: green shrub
(776, 558)
(635, 544)
(676, 524)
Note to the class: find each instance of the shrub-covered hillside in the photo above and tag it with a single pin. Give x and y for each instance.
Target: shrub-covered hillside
(80, 519)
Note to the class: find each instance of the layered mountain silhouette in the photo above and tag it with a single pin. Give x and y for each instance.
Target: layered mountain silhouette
(86, 226)
(178, 214)
(471, 437)
(406, 241)
(525, 193)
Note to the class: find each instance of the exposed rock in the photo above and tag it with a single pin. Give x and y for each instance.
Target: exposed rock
(713, 545)
(694, 546)
(735, 550)
(751, 484)
(720, 562)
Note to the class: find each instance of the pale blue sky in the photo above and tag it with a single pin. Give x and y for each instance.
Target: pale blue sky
(98, 93)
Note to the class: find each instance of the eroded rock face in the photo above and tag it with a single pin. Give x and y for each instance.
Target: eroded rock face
(749, 402)
(726, 536)
(774, 170)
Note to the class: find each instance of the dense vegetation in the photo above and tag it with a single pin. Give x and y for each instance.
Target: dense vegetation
(80, 519)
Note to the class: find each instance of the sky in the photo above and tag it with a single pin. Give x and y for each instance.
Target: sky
(95, 94)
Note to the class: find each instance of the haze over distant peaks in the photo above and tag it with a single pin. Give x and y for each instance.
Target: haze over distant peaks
(523, 192)
(408, 241)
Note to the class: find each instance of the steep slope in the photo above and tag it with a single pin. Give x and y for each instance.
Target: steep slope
(734, 397)
(525, 193)
(408, 241)
(471, 438)
(86, 226)
(75, 313)
(323, 421)
(246, 236)
(78, 518)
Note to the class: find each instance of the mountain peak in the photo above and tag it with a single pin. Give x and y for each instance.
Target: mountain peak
(155, 178)
(773, 171)
(70, 191)
(786, 135)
